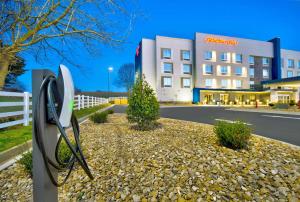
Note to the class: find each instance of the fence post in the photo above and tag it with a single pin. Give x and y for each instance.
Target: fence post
(82, 101)
(78, 102)
(26, 108)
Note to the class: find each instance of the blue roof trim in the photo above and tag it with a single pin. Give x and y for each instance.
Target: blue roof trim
(222, 89)
(296, 78)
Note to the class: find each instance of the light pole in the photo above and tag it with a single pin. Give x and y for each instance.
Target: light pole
(110, 69)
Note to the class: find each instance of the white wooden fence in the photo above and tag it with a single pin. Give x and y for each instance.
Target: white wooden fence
(84, 101)
(80, 102)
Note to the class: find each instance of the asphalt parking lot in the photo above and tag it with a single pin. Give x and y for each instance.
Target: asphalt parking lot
(284, 127)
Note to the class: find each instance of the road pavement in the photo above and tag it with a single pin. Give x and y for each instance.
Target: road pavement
(283, 127)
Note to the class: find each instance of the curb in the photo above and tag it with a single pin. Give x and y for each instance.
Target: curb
(10, 156)
(264, 111)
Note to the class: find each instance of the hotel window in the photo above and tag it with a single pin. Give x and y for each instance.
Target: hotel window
(298, 74)
(298, 64)
(208, 69)
(166, 53)
(224, 70)
(238, 71)
(291, 63)
(251, 84)
(289, 74)
(251, 72)
(282, 62)
(238, 58)
(224, 56)
(186, 82)
(265, 61)
(187, 69)
(251, 60)
(185, 55)
(224, 83)
(208, 55)
(208, 83)
(265, 73)
(238, 84)
(166, 81)
(168, 67)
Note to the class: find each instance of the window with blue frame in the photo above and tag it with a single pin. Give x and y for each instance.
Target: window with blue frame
(238, 84)
(224, 56)
(265, 61)
(238, 58)
(224, 70)
(185, 55)
(251, 72)
(224, 83)
(290, 74)
(187, 69)
(208, 55)
(238, 71)
(251, 60)
(166, 53)
(166, 81)
(291, 63)
(168, 67)
(208, 69)
(265, 73)
(208, 83)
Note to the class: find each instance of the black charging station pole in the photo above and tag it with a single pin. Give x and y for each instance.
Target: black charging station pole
(43, 189)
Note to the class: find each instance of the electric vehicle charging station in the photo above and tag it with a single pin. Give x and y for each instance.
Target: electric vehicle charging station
(52, 99)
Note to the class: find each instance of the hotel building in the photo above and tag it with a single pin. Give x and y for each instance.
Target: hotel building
(215, 69)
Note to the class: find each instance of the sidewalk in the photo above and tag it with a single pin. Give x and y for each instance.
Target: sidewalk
(263, 111)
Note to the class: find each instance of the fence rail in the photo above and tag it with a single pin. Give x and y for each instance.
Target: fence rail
(80, 102)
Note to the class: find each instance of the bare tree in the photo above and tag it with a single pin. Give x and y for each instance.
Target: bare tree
(40, 27)
(125, 77)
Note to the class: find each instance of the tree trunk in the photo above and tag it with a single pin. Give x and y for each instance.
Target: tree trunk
(3, 71)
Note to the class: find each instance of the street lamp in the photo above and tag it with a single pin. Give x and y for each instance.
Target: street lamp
(110, 69)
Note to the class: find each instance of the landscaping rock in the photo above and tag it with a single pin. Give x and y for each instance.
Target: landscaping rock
(179, 161)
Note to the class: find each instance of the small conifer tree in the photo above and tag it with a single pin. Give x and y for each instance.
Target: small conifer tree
(143, 107)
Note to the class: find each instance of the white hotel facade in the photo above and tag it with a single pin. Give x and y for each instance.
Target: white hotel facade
(219, 69)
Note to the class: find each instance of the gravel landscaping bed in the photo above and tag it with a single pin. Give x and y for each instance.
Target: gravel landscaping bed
(177, 162)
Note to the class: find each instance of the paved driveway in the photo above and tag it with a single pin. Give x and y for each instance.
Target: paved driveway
(282, 127)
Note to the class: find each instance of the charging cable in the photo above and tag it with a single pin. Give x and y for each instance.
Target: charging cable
(49, 87)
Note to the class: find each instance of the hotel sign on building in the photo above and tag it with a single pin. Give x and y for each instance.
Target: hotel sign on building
(214, 69)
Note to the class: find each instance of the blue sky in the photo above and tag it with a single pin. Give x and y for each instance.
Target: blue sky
(255, 19)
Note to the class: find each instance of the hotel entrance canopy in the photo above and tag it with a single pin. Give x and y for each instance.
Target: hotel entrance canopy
(293, 82)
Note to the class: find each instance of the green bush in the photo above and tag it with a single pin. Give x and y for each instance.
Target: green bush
(64, 154)
(26, 161)
(292, 103)
(110, 111)
(233, 135)
(143, 107)
(99, 117)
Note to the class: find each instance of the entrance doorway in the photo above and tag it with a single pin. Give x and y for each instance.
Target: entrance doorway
(284, 99)
(224, 98)
(208, 98)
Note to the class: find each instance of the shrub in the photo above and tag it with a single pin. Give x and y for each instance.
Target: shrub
(143, 107)
(271, 104)
(110, 111)
(64, 154)
(233, 135)
(99, 117)
(26, 161)
(292, 103)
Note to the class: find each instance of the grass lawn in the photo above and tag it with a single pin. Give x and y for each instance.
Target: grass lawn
(19, 134)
